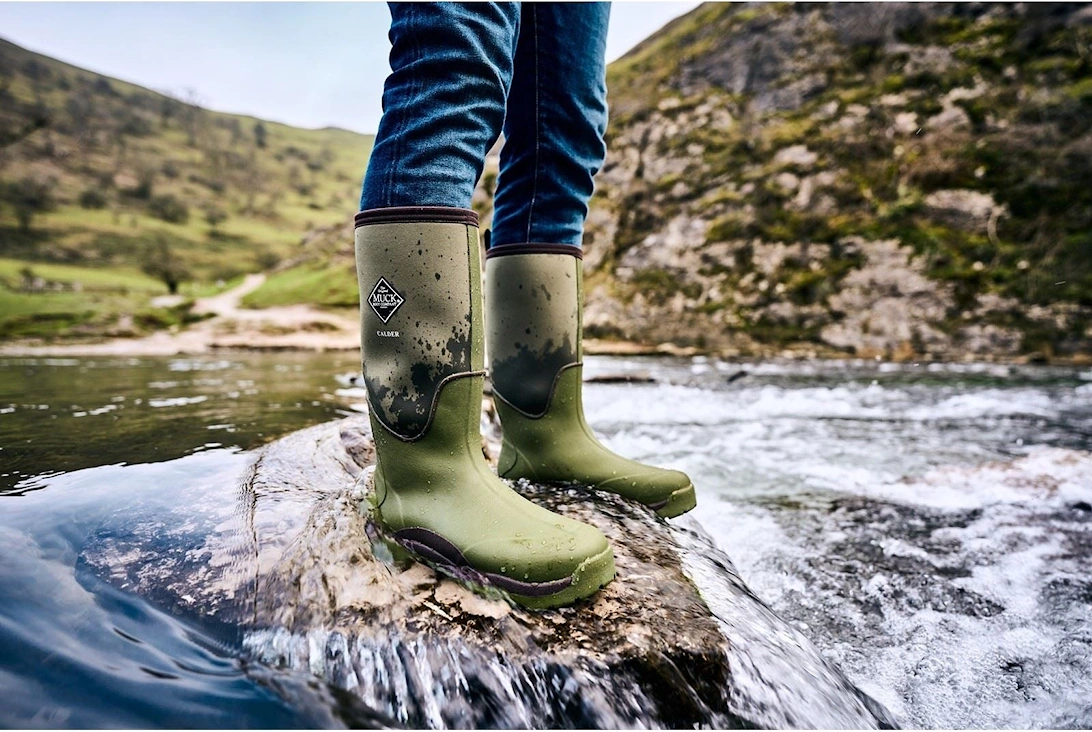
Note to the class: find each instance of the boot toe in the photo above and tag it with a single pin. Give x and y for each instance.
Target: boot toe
(647, 485)
(550, 553)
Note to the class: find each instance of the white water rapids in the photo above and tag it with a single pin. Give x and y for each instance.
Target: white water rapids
(928, 527)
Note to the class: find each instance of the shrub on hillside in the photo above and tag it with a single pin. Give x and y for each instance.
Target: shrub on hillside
(143, 189)
(214, 216)
(135, 125)
(259, 134)
(267, 260)
(29, 197)
(169, 208)
(93, 198)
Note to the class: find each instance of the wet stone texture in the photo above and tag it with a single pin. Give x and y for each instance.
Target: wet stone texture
(287, 559)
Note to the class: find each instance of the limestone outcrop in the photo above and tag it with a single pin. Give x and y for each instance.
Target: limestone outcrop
(766, 162)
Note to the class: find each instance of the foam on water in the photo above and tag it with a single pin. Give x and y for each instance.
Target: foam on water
(688, 405)
(934, 539)
(1045, 477)
(927, 528)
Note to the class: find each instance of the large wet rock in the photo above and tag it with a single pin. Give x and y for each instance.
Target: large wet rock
(285, 555)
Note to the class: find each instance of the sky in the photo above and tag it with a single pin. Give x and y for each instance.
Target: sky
(305, 64)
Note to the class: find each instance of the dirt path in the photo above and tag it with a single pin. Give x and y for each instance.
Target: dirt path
(292, 327)
(227, 302)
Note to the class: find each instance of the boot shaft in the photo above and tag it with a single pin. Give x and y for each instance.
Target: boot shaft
(534, 297)
(420, 309)
(434, 493)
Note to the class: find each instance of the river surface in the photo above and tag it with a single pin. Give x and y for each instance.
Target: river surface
(928, 527)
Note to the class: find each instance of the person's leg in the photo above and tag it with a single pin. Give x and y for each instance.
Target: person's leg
(533, 289)
(443, 102)
(422, 336)
(557, 116)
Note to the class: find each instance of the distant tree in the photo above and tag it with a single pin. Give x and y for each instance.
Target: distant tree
(36, 72)
(29, 278)
(79, 120)
(214, 216)
(232, 125)
(79, 108)
(161, 262)
(33, 116)
(121, 154)
(134, 125)
(29, 197)
(169, 208)
(145, 184)
(259, 134)
(252, 180)
(93, 198)
(267, 260)
(103, 86)
(169, 109)
(193, 116)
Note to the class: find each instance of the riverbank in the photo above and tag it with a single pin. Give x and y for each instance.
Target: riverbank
(229, 326)
(226, 325)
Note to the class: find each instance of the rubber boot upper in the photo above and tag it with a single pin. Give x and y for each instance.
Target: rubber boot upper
(422, 341)
(534, 301)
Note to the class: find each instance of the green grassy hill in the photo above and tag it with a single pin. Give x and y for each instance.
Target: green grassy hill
(111, 179)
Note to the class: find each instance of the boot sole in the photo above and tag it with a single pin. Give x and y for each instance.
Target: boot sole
(592, 574)
(679, 503)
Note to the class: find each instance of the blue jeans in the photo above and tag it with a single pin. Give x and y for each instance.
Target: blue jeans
(462, 72)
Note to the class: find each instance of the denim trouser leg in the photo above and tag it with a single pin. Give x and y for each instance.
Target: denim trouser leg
(557, 116)
(455, 68)
(443, 103)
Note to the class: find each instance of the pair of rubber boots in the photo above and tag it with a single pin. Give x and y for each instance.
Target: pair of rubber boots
(423, 350)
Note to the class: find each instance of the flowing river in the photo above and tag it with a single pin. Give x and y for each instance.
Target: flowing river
(927, 527)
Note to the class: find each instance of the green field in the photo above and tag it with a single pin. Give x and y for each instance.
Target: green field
(45, 300)
(327, 285)
(100, 180)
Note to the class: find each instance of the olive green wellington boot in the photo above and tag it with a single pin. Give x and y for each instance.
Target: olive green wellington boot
(534, 300)
(419, 272)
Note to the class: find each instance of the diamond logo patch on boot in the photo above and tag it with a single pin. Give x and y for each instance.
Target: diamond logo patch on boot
(385, 300)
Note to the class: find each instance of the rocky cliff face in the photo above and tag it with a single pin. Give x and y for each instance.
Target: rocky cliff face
(903, 180)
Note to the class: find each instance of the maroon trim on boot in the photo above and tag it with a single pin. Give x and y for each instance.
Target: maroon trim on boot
(503, 250)
(417, 215)
(435, 548)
